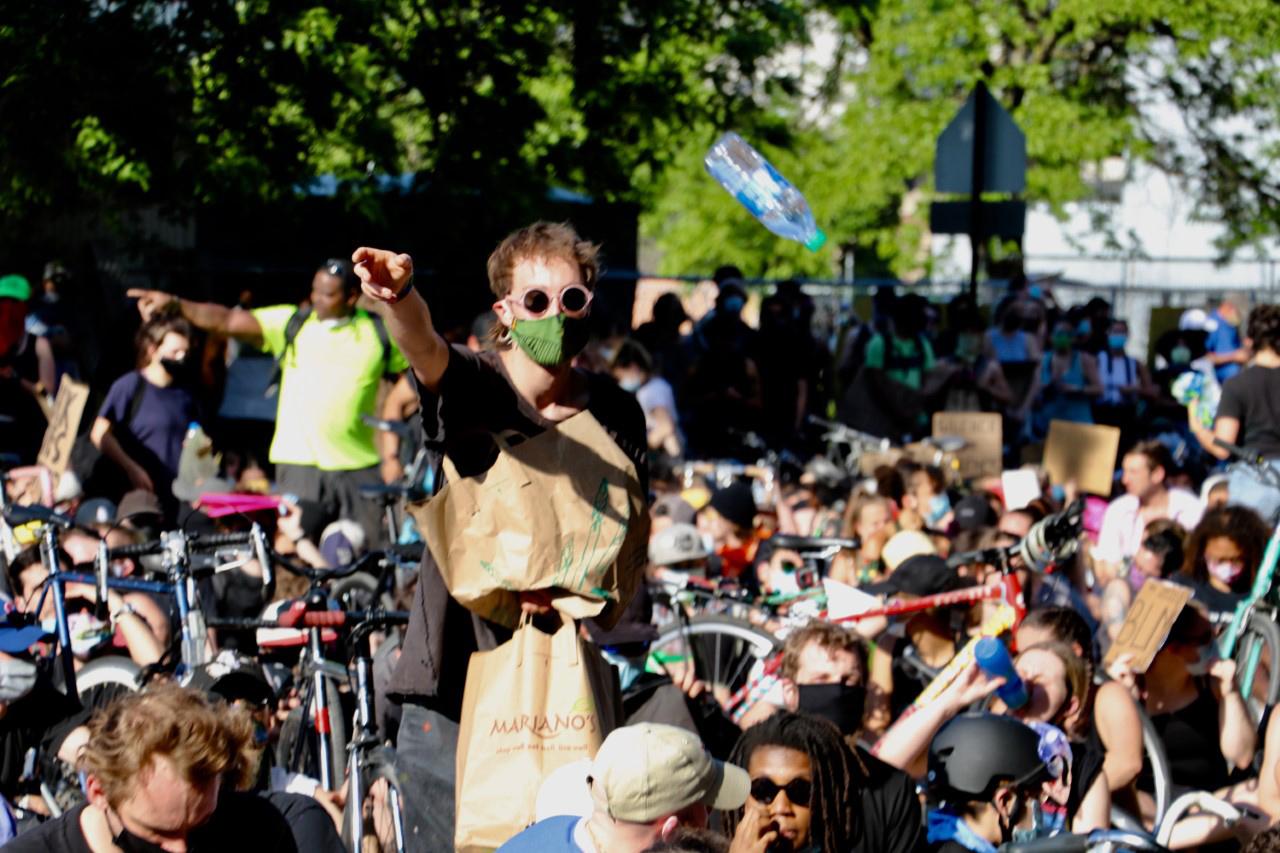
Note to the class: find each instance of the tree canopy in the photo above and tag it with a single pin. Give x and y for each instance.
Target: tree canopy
(108, 107)
(1189, 87)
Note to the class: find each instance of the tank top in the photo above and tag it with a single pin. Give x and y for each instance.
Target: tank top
(1116, 374)
(1009, 347)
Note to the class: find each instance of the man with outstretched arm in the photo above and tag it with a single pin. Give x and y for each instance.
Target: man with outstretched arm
(331, 356)
(543, 279)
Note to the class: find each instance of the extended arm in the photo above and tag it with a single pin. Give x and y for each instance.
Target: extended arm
(384, 276)
(209, 316)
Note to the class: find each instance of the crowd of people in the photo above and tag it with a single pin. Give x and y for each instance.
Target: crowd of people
(852, 743)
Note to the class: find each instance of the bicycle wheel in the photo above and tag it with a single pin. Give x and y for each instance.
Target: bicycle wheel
(100, 681)
(382, 807)
(1260, 639)
(722, 650)
(299, 747)
(1161, 779)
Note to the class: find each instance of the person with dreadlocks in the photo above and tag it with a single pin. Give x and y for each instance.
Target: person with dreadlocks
(811, 792)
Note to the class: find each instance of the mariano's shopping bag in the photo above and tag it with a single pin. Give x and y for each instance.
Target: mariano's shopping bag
(532, 705)
(562, 509)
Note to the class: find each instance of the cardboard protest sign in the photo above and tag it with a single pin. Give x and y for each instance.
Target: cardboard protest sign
(60, 435)
(1085, 453)
(983, 433)
(1020, 487)
(1147, 625)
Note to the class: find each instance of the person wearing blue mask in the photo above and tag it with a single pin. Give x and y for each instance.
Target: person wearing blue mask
(1126, 384)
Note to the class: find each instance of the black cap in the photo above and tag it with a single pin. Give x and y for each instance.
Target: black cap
(232, 677)
(923, 574)
(973, 512)
(736, 503)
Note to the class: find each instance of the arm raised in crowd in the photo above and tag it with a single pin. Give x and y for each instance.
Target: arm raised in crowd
(388, 278)
(209, 316)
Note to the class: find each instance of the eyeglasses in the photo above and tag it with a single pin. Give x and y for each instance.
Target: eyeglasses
(573, 300)
(764, 791)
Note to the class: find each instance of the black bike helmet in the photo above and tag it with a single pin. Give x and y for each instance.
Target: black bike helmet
(975, 753)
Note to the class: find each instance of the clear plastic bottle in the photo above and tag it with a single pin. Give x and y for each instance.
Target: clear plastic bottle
(771, 198)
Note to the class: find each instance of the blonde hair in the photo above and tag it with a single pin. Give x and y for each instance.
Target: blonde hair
(203, 742)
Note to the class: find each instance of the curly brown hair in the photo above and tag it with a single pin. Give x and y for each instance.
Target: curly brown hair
(1264, 328)
(826, 635)
(202, 741)
(1242, 526)
(542, 240)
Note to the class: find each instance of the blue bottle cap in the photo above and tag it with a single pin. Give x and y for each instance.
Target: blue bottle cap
(816, 242)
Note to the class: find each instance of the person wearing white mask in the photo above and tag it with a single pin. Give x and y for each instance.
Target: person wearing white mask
(632, 367)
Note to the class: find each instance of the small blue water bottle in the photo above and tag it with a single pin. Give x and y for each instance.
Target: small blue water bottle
(993, 658)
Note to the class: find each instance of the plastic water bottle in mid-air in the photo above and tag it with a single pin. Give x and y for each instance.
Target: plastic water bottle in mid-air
(771, 198)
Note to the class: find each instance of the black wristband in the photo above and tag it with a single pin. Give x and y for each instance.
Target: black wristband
(404, 291)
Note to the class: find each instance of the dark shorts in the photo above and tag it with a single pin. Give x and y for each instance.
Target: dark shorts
(338, 493)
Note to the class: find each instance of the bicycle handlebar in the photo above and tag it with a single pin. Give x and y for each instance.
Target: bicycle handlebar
(20, 515)
(812, 543)
(366, 561)
(1241, 454)
(298, 616)
(195, 541)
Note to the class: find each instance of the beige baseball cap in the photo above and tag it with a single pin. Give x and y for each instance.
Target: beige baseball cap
(649, 770)
(904, 545)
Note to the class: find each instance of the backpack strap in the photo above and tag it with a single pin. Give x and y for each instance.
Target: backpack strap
(291, 330)
(135, 400)
(383, 338)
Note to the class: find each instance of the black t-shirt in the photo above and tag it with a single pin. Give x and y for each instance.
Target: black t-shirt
(27, 723)
(1253, 398)
(890, 817)
(245, 823)
(475, 400)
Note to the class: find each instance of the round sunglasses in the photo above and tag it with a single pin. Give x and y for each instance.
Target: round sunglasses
(764, 791)
(573, 300)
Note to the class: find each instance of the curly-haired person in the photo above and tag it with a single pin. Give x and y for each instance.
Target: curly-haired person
(166, 770)
(1249, 413)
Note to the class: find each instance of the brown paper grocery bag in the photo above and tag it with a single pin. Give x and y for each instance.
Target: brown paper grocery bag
(530, 706)
(562, 509)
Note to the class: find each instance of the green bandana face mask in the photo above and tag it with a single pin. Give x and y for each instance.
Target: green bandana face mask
(550, 341)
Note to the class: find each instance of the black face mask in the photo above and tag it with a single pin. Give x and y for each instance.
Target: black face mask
(130, 843)
(176, 369)
(842, 704)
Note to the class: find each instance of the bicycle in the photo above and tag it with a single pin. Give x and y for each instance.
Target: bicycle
(185, 561)
(1110, 840)
(1253, 625)
(417, 482)
(316, 736)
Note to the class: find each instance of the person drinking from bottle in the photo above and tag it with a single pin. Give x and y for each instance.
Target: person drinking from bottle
(543, 279)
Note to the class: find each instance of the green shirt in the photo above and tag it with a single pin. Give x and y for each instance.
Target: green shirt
(328, 381)
(909, 361)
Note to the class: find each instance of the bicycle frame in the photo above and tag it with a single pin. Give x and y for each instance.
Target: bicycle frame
(176, 548)
(1262, 581)
(1007, 589)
